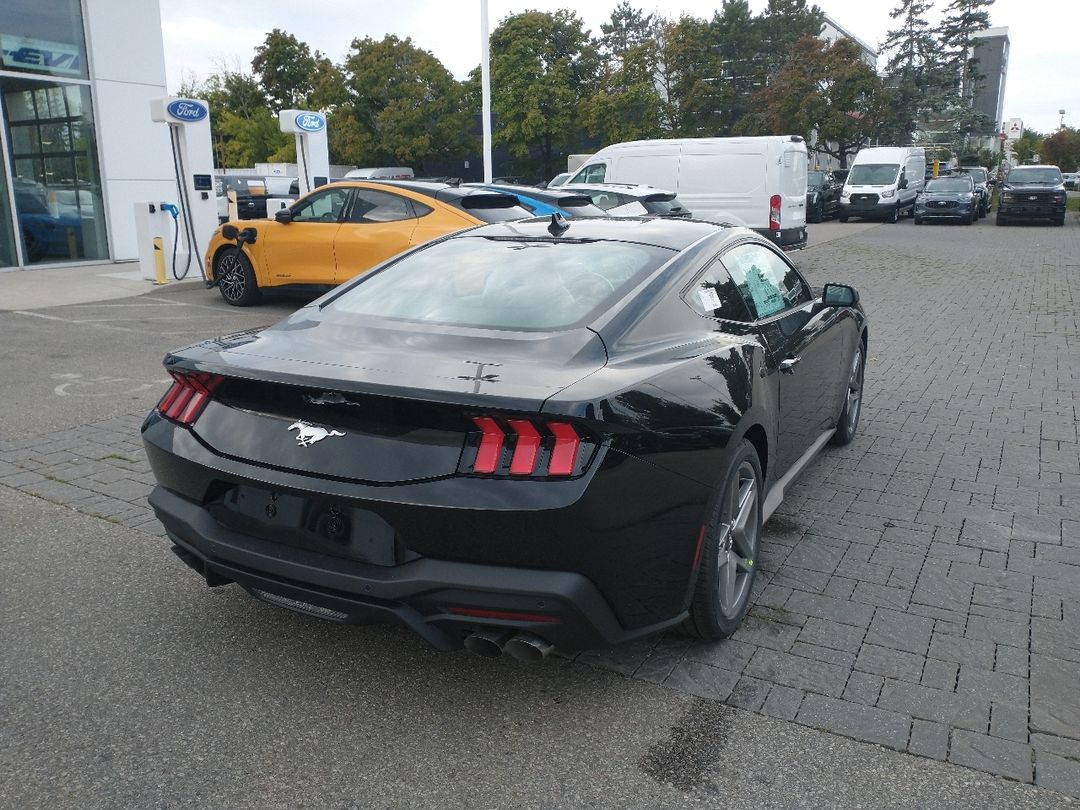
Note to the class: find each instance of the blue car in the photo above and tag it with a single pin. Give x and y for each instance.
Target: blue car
(951, 197)
(544, 202)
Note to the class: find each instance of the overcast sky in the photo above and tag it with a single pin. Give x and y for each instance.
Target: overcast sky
(1043, 74)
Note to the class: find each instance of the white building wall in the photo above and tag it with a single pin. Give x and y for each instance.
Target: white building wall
(127, 69)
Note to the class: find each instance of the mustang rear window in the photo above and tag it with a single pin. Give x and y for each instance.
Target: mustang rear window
(503, 283)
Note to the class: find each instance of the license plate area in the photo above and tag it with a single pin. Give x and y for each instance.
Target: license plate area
(313, 523)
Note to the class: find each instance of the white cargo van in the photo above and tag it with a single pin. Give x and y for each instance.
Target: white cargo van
(759, 183)
(883, 183)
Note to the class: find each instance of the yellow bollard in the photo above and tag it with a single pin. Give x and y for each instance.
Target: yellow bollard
(159, 261)
(937, 166)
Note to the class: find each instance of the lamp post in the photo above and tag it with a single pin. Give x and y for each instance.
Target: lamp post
(485, 88)
(1061, 123)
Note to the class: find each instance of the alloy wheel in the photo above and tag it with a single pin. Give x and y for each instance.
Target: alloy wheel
(231, 279)
(854, 391)
(738, 541)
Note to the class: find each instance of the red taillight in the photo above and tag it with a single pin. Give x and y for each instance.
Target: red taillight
(774, 212)
(564, 454)
(187, 397)
(487, 455)
(524, 447)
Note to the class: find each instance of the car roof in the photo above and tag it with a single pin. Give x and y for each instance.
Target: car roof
(674, 234)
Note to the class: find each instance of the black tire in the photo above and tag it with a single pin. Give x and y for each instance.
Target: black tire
(848, 422)
(918, 220)
(1059, 221)
(738, 503)
(818, 213)
(970, 219)
(842, 218)
(235, 279)
(999, 219)
(894, 216)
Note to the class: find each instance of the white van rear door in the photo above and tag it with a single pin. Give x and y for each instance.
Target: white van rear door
(725, 186)
(793, 186)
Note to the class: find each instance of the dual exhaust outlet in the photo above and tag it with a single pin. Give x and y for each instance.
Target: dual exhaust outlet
(493, 642)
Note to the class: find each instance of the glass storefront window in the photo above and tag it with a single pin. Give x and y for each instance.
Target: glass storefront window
(58, 203)
(7, 236)
(43, 38)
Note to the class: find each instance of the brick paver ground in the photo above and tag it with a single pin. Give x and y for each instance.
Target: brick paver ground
(920, 588)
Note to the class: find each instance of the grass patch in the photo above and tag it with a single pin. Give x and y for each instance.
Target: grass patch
(1073, 203)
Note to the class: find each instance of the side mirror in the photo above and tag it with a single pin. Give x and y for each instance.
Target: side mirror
(903, 183)
(229, 232)
(839, 295)
(284, 215)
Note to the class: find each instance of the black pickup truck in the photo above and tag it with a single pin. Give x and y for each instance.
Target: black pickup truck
(1032, 192)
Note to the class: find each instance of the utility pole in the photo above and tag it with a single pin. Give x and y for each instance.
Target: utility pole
(485, 88)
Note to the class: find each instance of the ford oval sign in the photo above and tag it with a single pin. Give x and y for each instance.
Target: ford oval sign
(310, 122)
(186, 110)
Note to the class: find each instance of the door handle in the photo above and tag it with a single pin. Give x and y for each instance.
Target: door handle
(788, 366)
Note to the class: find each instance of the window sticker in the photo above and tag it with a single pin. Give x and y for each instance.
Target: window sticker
(766, 297)
(710, 300)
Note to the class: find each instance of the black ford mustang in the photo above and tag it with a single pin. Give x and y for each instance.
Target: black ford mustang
(521, 436)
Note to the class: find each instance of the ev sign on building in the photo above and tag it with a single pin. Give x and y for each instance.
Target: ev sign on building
(37, 54)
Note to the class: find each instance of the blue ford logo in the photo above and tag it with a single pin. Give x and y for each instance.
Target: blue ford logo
(310, 122)
(185, 110)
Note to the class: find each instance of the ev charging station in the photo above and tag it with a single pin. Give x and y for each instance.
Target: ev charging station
(159, 223)
(312, 154)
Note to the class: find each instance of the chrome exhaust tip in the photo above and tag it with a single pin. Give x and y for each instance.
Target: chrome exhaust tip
(488, 643)
(528, 648)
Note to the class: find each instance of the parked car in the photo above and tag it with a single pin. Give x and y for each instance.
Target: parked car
(883, 183)
(558, 180)
(840, 175)
(545, 202)
(515, 438)
(337, 231)
(1072, 179)
(822, 195)
(982, 187)
(759, 183)
(628, 200)
(381, 173)
(1032, 192)
(950, 197)
(46, 234)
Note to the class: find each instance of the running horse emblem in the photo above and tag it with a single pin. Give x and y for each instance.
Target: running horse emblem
(307, 435)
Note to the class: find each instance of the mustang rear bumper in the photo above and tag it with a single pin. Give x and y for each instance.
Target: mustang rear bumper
(440, 600)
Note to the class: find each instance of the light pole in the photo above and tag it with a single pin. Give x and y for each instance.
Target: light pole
(1061, 123)
(485, 88)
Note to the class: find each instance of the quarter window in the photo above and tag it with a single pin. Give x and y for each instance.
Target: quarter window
(715, 295)
(768, 284)
(378, 206)
(323, 207)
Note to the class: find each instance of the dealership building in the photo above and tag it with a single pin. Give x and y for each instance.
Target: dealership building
(78, 146)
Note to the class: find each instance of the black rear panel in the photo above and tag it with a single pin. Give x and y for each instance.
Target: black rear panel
(383, 440)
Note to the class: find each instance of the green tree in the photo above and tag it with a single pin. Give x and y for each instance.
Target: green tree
(1062, 149)
(542, 66)
(404, 107)
(626, 105)
(690, 78)
(826, 93)
(962, 19)
(1028, 145)
(243, 131)
(782, 24)
(286, 70)
(914, 72)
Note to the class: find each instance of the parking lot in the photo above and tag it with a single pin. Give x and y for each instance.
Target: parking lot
(920, 591)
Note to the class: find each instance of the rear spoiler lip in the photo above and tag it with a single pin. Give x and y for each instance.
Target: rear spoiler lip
(660, 196)
(491, 199)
